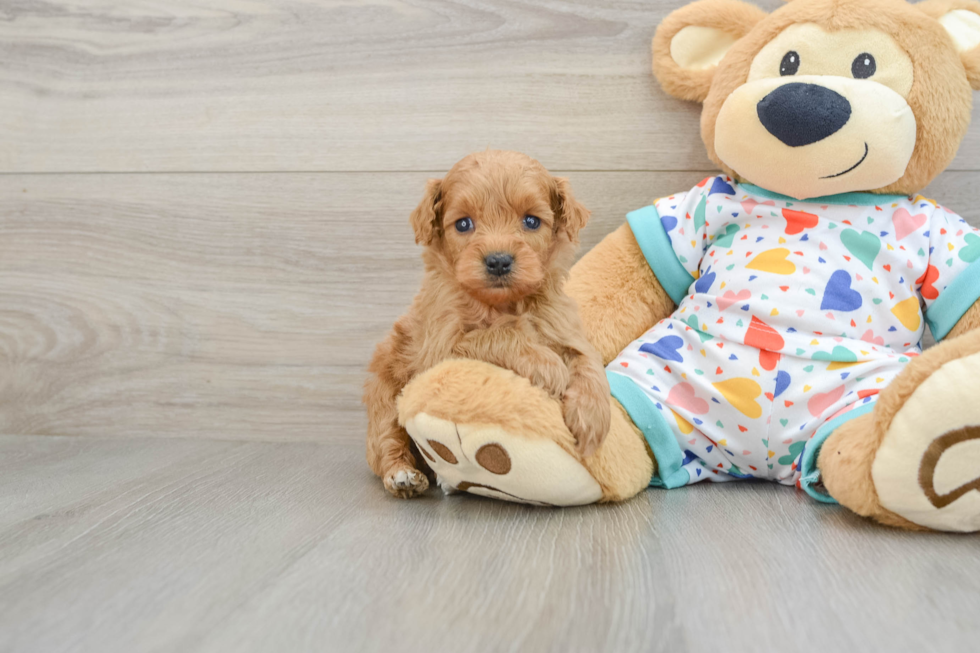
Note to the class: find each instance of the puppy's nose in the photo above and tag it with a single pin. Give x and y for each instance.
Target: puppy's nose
(498, 264)
(800, 114)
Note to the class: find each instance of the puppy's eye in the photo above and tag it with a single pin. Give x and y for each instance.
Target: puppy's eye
(863, 66)
(464, 224)
(531, 222)
(790, 63)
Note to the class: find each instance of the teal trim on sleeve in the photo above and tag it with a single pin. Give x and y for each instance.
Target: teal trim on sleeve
(660, 255)
(655, 429)
(954, 302)
(847, 199)
(810, 480)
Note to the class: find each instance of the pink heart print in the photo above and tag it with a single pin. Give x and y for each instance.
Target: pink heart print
(682, 395)
(749, 204)
(906, 223)
(730, 298)
(869, 336)
(819, 403)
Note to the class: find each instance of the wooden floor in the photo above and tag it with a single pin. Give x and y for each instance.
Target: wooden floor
(199, 545)
(203, 232)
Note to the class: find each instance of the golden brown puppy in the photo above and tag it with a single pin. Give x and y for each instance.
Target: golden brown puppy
(499, 234)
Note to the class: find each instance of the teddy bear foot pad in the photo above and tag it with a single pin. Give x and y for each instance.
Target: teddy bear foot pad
(487, 460)
(927, 468)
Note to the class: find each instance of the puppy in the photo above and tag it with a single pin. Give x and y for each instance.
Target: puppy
(499, 233)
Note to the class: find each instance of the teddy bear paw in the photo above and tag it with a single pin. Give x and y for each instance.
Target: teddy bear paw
(488, 460)
(927, 468)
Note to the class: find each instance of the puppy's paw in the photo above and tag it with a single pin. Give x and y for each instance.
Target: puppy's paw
(587, 417)
(551, 377)
(405, 482)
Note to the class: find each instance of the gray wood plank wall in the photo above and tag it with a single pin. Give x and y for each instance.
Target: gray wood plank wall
(203, 208)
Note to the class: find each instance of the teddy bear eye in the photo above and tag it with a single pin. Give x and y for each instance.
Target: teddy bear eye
(464, 224)
(531, 222)
(863, 66)
(790, 63)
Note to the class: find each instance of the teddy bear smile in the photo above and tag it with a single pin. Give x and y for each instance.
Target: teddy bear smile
(839, 174)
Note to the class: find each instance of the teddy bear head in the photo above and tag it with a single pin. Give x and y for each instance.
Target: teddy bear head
(823, 97)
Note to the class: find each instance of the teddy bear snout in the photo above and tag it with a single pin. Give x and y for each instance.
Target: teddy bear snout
(800, 114)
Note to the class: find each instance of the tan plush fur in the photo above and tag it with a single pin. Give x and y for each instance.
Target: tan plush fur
(618, 296)
(624, 464)
(940, 98)
(845, 463)
(847, 456)
(971, 59)
(521, 321)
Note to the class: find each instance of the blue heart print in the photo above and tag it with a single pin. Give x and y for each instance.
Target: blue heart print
(838, 295)
(704, 283)
(782, 382)
(719, 185)
(669, 222)
(665, 348)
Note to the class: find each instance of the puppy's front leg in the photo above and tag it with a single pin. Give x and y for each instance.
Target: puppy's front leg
(389, 448)
(511, 349)
(586, 404)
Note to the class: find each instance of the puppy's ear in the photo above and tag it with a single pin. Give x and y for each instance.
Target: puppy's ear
(425, 217)
(691, 41)
(570, 214)
(961, 19)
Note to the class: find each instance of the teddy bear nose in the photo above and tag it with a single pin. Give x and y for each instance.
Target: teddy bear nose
(800, 114)
(498, 264)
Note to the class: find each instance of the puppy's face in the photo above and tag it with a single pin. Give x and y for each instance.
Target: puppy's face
(502, 223)
(499, 233)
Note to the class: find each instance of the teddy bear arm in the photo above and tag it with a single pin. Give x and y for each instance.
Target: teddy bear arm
(618, 295)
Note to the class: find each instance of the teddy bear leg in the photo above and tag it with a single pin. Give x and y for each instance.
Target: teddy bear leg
(487, 431)
(914, 462)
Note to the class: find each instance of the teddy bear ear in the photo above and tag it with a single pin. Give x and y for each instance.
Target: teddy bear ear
(961, 19)
(691, 41)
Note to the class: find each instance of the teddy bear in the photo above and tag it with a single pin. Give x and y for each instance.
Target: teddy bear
(767, 323)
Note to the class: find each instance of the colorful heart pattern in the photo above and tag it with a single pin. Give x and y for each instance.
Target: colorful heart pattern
(798, 221)
(838, 295)
(682, 396)
(797, 312)
(864, 246)
(906, 223)
(730, 298)
(773, 261)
